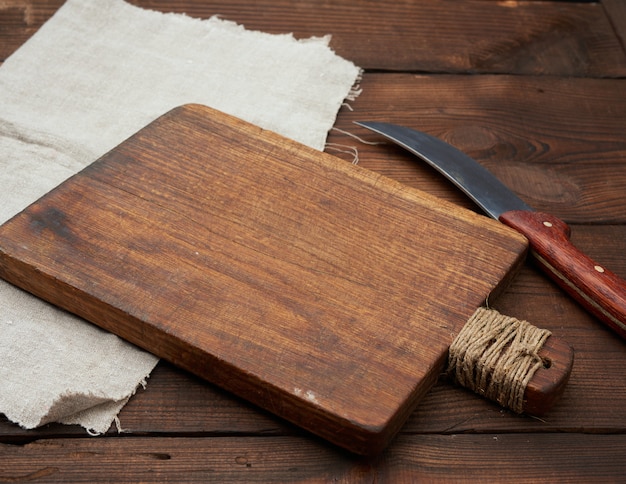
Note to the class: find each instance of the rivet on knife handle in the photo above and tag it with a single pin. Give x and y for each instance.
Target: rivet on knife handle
(597, 289)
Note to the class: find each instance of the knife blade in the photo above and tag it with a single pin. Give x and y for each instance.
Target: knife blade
(595, 287)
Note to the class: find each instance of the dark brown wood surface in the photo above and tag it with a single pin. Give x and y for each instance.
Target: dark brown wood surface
(543, 105)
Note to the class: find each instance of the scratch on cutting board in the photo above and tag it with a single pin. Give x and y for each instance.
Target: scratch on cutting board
(308, 395)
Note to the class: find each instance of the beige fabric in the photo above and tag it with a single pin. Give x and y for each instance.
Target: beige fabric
(90, 77)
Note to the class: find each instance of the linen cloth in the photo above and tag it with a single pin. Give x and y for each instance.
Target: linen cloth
(94, 74)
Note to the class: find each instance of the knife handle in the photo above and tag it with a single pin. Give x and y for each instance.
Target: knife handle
(596, 288)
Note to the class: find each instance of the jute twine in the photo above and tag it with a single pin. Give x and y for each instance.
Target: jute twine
(496, 356)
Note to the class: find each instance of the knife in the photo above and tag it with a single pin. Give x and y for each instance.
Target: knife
(595, 287)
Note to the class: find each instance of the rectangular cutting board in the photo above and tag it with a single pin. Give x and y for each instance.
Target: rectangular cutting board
(318, 290)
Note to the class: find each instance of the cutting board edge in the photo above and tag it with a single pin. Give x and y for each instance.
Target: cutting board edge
(360, 438)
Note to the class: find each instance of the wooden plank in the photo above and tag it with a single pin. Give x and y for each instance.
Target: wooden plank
(174, 460)
(557, 142)
(616, 13)
(547, 38)
(308, 286)
(412, 458)
(504, 458)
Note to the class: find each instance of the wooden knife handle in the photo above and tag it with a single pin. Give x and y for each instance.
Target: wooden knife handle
(596, 288)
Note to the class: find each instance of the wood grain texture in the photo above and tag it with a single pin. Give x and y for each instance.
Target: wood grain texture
(548, 383)
(428, 458)
(563, 152)
(616, 13)
(309, 286)
(557, 142)
(532, 38)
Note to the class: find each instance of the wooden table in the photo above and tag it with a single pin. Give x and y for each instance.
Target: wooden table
(534, 90)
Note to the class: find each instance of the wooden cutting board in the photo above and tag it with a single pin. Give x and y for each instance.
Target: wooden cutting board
(321, 291)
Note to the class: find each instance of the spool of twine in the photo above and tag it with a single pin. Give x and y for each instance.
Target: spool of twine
(496, 356)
